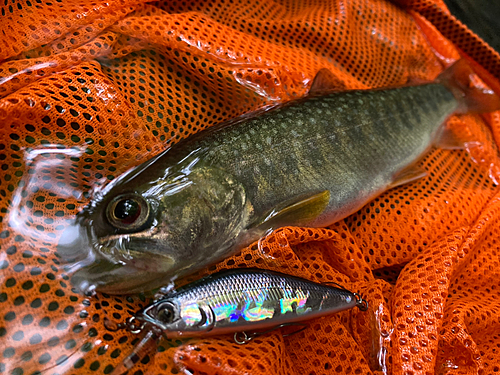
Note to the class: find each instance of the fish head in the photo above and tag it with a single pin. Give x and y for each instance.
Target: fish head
(151, 226)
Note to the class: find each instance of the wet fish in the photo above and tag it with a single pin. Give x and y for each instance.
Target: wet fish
(310, 162)
(244, 300)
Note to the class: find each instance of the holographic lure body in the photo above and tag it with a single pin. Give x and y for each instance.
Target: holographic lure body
(242, 300)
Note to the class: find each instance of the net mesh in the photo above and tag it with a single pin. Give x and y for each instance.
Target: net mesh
(88, 90)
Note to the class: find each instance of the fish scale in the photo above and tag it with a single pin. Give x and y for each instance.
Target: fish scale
(390, 139)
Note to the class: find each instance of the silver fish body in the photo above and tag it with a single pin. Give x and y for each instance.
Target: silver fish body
(242, 300)
(309, 163)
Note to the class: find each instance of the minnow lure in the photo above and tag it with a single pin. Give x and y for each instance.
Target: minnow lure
(241, 300)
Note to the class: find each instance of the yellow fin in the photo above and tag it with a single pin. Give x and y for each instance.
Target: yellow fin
(296, 212)
(409, 174)
(325, 82)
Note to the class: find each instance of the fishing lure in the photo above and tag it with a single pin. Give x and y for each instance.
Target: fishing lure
(242, 300)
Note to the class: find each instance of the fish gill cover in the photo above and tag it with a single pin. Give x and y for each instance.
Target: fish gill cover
(89, 89)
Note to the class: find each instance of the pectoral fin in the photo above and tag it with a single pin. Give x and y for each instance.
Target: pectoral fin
(296, 212)
(407, 175)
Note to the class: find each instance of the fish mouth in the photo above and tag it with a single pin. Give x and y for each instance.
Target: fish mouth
(139, 252)
(120, 270)
(114, 265)
(104, 276)
(153, 232)
(75, 245)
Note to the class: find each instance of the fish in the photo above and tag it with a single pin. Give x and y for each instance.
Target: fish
(309, 162)
(243, 301)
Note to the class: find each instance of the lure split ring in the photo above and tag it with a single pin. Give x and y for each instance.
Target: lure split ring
(133, 327)
(361, 303)
(242, 338)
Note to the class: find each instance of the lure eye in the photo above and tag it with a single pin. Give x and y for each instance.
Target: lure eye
(128, 212)
(166, 313)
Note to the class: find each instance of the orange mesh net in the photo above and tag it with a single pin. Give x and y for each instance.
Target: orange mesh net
(88, 90)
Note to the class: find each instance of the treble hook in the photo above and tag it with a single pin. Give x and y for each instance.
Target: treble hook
(244, 338)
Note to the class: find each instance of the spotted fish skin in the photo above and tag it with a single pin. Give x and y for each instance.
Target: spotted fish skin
(238, 300)
(350, 143)
(211, 194)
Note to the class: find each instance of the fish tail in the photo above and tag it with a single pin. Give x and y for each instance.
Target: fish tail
(471, 92)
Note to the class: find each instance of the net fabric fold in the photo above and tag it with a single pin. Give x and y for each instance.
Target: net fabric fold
(88, 90)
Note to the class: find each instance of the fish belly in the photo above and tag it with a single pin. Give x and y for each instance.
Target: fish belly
(351, 144)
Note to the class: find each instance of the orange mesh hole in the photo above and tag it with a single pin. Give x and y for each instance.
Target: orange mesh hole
(88, 90)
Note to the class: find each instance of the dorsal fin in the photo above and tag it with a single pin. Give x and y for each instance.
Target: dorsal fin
(325, 82)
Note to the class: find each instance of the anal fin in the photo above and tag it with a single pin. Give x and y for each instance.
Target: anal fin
(449, 139)
(407, 175)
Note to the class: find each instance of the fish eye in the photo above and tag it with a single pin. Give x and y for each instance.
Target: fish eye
(128, 212)
(166, 313)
